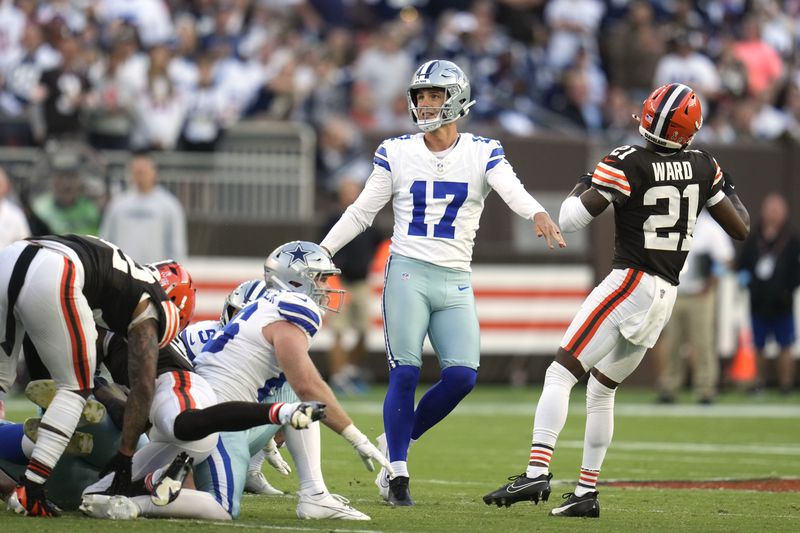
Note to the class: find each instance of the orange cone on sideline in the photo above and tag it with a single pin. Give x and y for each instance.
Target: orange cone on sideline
(743, 367)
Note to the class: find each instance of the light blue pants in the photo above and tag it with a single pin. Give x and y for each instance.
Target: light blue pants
(224, 473)
(421, 298)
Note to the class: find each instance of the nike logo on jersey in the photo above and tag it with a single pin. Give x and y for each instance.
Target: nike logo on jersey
(463, 287)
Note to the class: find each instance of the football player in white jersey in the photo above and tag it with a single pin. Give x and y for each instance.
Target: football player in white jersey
(263, 348)
(196, 335)
(437, 181)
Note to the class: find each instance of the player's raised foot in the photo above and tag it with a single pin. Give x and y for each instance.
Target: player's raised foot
(382, 480)
(586, 506)
(30, 499)
(79, 444)
(167, 488)
(399, 494)
(521, 488)
(42, 391)
(256, 483)
(115, 507)
(327, 505)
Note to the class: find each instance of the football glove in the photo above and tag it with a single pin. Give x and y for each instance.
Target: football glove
(120, 466)
(275, 459)
(299, 415)
(366, 450)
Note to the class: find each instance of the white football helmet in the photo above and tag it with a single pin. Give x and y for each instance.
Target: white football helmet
(303, 267)
(444, 75)
(241, 296)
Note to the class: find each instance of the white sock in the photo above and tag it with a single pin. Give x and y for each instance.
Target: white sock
(190, 503)
(62, 415)
(551, 415)
(400, 468)
(305, 447)
(599, 431)
(257, 461)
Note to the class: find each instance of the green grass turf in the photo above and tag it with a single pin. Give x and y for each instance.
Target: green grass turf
(487, 438)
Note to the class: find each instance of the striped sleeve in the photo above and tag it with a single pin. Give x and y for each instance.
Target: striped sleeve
(717, 174)
(495, 158)
(611, 179)
(381, 158)
(301, 312)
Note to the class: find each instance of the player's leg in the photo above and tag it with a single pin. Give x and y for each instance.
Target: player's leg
(223, 473)
(591, 335)
(600, 394)
(454, 332)
(60, 324)
(405, 316)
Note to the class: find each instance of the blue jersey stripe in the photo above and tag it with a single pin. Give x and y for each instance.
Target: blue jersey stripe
(493, 163)
(382, 151)
(300, 315)
(382, 162)
(496, 152)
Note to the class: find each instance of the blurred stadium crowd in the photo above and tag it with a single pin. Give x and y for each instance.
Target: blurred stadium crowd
(175, 74)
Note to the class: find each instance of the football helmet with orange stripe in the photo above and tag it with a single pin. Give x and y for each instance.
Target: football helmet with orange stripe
(177, 283)
(671, 116)
(304, 267)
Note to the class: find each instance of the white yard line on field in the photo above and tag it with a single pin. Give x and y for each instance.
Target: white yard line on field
(282, 528)
(621, 410)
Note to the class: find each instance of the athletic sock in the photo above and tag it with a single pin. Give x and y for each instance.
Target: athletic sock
(398, 410)
(455, 383)
(587, 482)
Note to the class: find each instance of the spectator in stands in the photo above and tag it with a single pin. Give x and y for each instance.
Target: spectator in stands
(341, 153)
(13, 224)
(67, 208)
(64, 89)
(160, 108)
(634, 41)
(692, 324)
(574, 25)
(684, 64)
(769, 265)
(354, 260)
(208, 111)
(764, 65)
(146, 220)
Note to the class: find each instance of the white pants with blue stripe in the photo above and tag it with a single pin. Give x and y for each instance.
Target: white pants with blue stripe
(224, 473)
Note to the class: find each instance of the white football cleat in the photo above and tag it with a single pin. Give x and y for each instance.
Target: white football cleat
(327, 505)
(382, 481)
(115, 507)
(256, 483)
(42, 391)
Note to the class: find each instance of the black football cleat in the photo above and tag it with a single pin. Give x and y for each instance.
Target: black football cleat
(585, 506)
(521, 488)
(399, 495)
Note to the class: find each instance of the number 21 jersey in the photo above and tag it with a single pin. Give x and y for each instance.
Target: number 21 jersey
(657, 198)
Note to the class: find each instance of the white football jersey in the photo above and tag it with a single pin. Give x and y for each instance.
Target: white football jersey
(238, 362)
(437, 201)
(196, 335)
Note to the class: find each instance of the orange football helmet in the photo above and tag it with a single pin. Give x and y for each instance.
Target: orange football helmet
(177, 283)
(671, 116)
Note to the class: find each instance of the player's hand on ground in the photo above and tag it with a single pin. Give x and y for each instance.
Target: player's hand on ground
(300, 415)
(368, 452)
(545, 227)
(275, 459)
(120, 466)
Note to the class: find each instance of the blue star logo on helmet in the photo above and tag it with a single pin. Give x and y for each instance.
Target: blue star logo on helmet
(298, 255)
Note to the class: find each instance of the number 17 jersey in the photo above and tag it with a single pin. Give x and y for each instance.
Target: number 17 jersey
(657, 198)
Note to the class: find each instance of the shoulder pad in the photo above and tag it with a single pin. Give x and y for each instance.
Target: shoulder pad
(300, 310)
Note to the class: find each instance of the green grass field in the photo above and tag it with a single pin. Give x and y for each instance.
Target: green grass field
(486, 439)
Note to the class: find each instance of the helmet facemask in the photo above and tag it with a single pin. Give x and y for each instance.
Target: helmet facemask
(441, 75)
